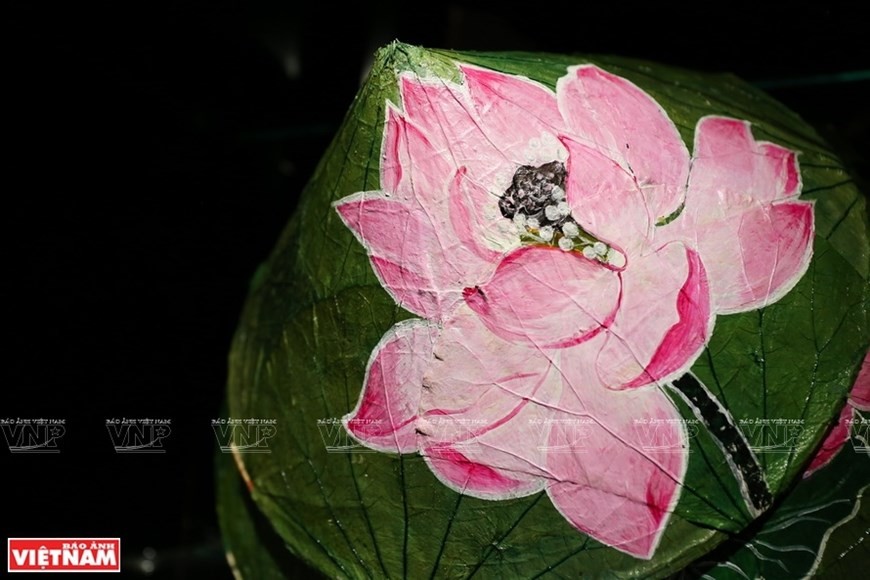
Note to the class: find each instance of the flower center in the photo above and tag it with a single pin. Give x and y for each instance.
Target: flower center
(536, 203)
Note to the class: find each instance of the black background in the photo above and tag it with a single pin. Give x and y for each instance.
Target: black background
(153, 155)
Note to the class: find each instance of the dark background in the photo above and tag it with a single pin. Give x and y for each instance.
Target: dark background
(153, 155)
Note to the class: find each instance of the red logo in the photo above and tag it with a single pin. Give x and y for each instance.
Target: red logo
(64, 555)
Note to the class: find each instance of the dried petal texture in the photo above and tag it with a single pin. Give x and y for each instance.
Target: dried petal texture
(742, 216)
(663, 322)
(626, 125)
(386, 414)
(484, 403)
(623, 460)
(547, 297)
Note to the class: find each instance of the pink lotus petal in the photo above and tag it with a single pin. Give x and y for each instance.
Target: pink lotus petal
(482, 400)
(412, 170)
(469, 223)
(400, 234)
(518, 114)
(784, 167)
(755, 257)
(614, 116)
(393, 151)
(427, 101)
(477, 379)
(423, 264)
(511, 98)
(492, 459)
(860, 395)
(445, 114)
(663, 322)
(468, 477)
(413, 292)
(834, 441)
(605, 200)
(387, 410)
(618, 458)
(730, 169)
(546, 297)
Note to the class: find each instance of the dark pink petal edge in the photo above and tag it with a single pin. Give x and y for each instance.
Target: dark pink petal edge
(685, 340)
(385, 415)
(468, 477)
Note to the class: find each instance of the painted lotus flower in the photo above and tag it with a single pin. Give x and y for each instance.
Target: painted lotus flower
(567, 258)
